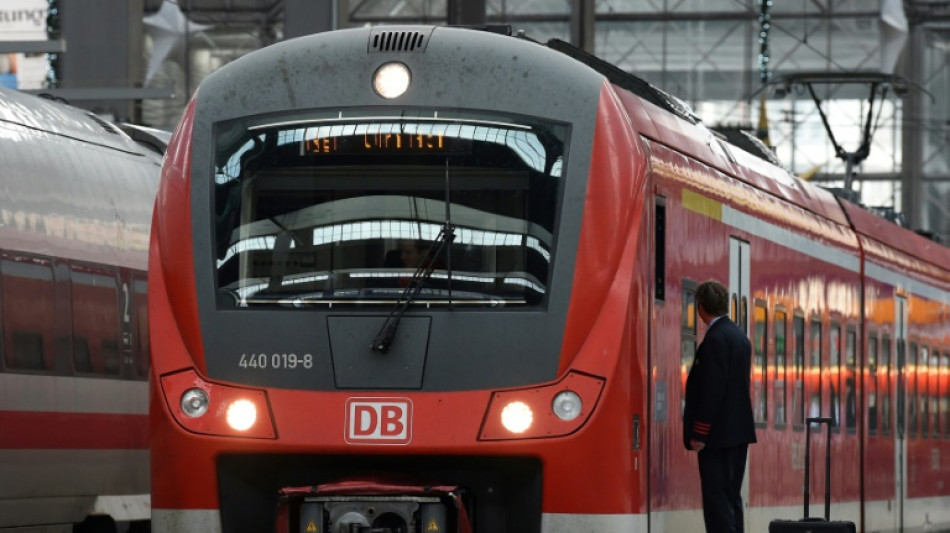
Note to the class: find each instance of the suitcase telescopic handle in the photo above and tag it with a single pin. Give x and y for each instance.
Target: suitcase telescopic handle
(827, 421)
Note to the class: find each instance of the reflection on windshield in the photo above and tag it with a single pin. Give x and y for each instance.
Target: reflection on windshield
(334, 213)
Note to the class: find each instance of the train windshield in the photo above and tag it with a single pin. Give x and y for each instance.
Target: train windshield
(324, 212)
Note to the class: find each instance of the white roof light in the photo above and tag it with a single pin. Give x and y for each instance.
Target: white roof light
(391, 80)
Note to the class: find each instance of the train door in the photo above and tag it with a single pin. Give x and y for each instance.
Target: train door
(900, 444)
(739, 294)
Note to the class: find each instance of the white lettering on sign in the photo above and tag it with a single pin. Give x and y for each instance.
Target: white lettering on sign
(378, 421)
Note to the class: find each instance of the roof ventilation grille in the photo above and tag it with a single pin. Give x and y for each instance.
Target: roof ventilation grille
(398, 41)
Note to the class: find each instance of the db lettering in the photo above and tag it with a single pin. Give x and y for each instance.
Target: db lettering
(378, 421)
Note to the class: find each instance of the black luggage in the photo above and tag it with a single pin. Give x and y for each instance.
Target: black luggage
(815, 525)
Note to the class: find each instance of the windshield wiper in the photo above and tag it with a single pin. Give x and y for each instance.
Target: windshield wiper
(384, 339)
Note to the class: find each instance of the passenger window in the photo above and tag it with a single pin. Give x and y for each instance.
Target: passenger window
(28, 300)
(884, 366)
(759, 360)
(872, 384)
(834, 376)
(798, 394)
(814, 369)
(687, 335)
(912, 390)
(95, 298)
(778, 389)
(934, 408)
(850, 387)
(945, 393)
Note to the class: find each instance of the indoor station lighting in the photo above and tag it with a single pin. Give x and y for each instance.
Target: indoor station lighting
(391, 80)
(241, 415)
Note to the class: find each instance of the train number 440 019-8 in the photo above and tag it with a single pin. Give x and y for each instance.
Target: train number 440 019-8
(289, 361)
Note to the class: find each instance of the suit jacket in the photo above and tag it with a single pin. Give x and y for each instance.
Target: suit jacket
(718, 407)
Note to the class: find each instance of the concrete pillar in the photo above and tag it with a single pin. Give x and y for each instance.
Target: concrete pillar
(303, 17)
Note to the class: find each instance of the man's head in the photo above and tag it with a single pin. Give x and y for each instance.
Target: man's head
(712, 298)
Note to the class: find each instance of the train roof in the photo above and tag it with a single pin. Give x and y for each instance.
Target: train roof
(666, 119)
(59, 118)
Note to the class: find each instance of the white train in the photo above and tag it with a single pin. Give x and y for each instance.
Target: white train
(76, 196)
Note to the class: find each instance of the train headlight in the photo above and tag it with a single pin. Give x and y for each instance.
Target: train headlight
(544, 411)
(194, 402)
(391, 80)
(241, 415)
(517, 417)
(567, 405)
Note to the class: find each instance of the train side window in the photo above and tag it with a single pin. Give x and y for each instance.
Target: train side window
(778, 388)
(687, 335)
(850, 384)
(140, 307)
(872, 383)
(734, 310)
(814, 368)
(798, 364)
(923, 389)
(834, 375)
(945, 392)
(28, 296)
(659, 273)
(759, 365)
(932, 376)
(95, 298)
(884, 365)
(912, 390)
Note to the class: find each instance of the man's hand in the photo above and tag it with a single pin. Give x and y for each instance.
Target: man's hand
(696, 445)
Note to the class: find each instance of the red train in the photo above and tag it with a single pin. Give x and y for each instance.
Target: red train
(75, 214)
(438, 279)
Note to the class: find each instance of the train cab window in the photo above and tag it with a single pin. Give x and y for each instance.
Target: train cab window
(873, 413)
(28, 299)
(477, 194)
(814, 372)
(912, 357)
(778, 371)
(833, 376)
(884, 369)
(798, 373)
(850, 384)
(95, 300)
(759, 365)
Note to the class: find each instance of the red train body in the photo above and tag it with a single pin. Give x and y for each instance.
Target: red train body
(585, 206)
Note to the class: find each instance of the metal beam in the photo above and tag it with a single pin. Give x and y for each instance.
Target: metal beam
(54, 46)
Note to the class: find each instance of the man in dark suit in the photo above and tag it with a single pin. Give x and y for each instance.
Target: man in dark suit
(717, 417)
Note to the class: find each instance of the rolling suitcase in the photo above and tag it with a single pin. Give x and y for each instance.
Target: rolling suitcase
(807, 524)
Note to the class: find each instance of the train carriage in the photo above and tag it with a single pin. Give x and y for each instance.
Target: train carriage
(432, 278)
(74, 224)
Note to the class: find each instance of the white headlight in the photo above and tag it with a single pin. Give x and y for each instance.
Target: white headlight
(391, 80)
(517, 417)
(194, 402)
(241, 415)
(567, 405)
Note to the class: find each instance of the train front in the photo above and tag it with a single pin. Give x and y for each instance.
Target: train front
(391, 280)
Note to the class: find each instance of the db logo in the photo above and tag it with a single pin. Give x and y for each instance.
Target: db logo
(378, 421)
